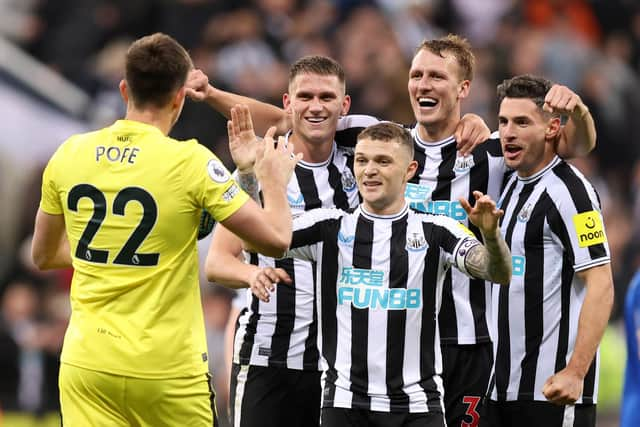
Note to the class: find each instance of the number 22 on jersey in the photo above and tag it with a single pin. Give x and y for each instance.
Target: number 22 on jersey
(127, 255)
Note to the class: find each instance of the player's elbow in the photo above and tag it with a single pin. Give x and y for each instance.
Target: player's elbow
(41, 259)
(608, 296)
(273, 251)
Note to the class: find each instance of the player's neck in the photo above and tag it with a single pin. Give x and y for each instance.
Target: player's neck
(312, 151)
(437, 131)
(157, 118)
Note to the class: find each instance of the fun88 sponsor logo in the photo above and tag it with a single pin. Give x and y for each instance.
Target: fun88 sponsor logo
(417, 196)
(364, 288)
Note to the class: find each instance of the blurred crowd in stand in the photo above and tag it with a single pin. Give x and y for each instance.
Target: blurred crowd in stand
(245, 46)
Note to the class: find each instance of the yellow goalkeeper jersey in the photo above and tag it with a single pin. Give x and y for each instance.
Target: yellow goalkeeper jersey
(131, 199)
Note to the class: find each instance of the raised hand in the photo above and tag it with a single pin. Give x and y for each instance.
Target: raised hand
(484, 214)
(197, 85)
(263, 282)
(242, 139)
(470, 132)
(562, 100)
(275, 162)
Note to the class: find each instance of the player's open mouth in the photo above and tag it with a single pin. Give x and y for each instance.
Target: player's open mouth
(315, 119)
(511, 150)
(427, 102)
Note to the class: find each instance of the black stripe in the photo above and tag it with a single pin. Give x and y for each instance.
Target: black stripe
(557, 226)
(479, 174)
(429, 322)
(244, 355)
(362, 251)
(533, 296)
(340, 199)
(580, 198)
(397, 319)
(233, 390)
(590, 382)
(447, 317)
(493, 147)
(285, 319)
(328, 292)
(348, 137)
(311, 354)
(445, 173)
(308, 188)
(503, 353)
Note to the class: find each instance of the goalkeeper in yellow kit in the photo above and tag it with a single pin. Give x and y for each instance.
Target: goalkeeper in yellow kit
(122, 206)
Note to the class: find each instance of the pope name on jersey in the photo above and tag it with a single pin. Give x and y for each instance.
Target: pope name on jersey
(282, 332)
(378, 318)
(554, 226)
(103, 181)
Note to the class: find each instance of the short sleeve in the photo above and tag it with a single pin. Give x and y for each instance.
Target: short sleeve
(50, 199)
(213, 186)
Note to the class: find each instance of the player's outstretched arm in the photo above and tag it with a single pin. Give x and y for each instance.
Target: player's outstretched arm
(493, 260)
(225, 266)
(565, 387)
(50, 247)
(264, 115)
(578, 136)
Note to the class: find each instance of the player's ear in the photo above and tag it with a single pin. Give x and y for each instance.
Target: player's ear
(178, 99)
(346, 104)
(286, 102)
(553, 128)
(411, 169)
(123, 91)
(463, 89)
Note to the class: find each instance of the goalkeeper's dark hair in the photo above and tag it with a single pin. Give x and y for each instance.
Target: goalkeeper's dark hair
(156, 67)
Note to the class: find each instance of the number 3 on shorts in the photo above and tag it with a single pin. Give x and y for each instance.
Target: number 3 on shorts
(471, 412)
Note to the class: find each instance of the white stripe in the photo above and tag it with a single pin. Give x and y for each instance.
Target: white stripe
(237, 404)
(569, 415)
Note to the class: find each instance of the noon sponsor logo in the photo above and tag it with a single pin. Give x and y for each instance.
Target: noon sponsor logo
(589, 229)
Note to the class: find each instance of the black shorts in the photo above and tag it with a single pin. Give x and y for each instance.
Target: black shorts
(465, 376)
(343, 417)
(274, 397)
(536, 414)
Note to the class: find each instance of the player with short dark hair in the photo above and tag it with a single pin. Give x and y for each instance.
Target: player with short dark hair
(121, 205)
(275, 374)
(551, 318)
(379, 276)
(438, 82)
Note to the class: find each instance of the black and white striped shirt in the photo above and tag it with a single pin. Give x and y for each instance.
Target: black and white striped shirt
(553, 224)
(379, 284)
(282, 332)
(442, 177)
